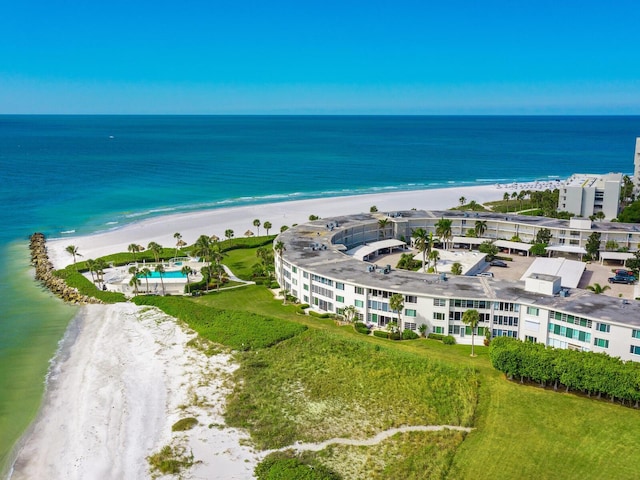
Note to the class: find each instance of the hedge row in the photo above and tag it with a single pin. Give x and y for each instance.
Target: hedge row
(446, 339)
(361, 328)
(587, 372)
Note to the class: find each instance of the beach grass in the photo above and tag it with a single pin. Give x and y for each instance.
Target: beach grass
(320, 385)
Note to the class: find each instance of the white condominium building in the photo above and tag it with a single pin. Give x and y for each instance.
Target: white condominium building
(318, 266)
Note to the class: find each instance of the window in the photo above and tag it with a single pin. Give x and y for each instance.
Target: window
(439, 330)
(339, 299)
(294, 269)
(454, 329)
(438, 315)
(527, 338)
(306, 299)
(635, 350)
(306, 287)
(410, 326)
(410, 299)
(360, 290)
(339, 286)
(305, 274)
(601, 342)
(635, 334)
(439, 302)
(359, 303)
(603, 327)
(410, 313)
(533, 311)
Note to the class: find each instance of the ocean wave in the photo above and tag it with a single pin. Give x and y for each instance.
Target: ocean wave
(67, 232)
(150, 212)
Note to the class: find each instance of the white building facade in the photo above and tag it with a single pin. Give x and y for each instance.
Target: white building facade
(585, 195)
(315, 268)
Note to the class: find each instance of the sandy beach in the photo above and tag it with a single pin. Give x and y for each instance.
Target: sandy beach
(125, 375)
(240, 219)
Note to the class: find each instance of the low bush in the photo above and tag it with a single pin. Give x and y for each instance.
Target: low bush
(361, 328)
(288, 466)
(436, 336)
(381, 334)
(320, 315)
(449, 340)
(409, 335)
(184, 424)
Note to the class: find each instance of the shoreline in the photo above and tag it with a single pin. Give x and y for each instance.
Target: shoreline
(240, 219)
(79, 447)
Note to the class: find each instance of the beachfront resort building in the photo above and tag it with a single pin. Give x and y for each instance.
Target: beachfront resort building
(330, 264)
(636, 168)
(586, 195)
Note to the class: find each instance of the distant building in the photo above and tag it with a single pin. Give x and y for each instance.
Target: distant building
(585, 195)
(636, 169)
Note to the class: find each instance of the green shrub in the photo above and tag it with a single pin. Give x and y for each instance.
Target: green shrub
(235, 329)
(288, 466)
(409, 335)
(170, 460)
(320, 315)
(81, 283)
(381, 333)
(184, 424)
(449, 340)
(436, 336)
(361, 328)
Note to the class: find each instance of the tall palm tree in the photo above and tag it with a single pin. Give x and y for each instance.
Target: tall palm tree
(506, 198)
(100, 266)
(349, 313)
(443, 230)
(462, 200)
(179, 242)
(160, 270)
(396, 303)
(279, 248)
(480, 227)
(91, 265)
(229, 234)
(471, 317)
(421, 240)
(202, 247)
(206, 276)
(156, 249)
(146, 273)
(73, 250)
(382, 227)
(216, 258)
(134, 248)
(434, 256)
(267, 226)
(256, 223)
(135, 281)
(186, 271)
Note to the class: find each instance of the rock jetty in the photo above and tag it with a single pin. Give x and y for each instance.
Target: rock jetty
(44, 273)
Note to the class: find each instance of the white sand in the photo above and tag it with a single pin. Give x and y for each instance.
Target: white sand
(119, 387)
(240, 219)
(116, 390)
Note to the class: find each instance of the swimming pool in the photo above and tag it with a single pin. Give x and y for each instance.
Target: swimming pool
(165, 275)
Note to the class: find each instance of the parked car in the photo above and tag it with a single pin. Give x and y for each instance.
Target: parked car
(498, 263)
(628, 279)
(485, 274)
(623, 272)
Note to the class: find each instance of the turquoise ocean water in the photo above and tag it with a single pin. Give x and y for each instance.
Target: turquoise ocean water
(70, 175)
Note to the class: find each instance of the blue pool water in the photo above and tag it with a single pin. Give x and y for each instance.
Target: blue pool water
(165, 275)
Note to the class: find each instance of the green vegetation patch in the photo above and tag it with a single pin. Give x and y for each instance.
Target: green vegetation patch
(289, 466)
(321, 385)
(235, 329)
(170, 460)
(409, 456)
(78, 281)
(184, 424)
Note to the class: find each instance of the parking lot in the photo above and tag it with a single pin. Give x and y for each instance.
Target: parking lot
(518, 265)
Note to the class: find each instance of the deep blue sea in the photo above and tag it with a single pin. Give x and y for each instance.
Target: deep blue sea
(66, 175)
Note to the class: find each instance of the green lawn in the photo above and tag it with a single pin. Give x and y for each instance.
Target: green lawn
(331, 381)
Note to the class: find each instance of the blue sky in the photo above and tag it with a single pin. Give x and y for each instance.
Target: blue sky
(333, 57)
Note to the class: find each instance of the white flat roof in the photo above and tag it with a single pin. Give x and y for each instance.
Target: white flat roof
(512, 245)
(570, 271)
(616, 255)
(470, 240)
(567, 249)
(362, 251)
